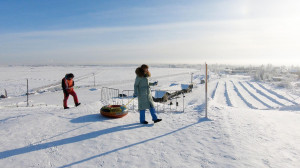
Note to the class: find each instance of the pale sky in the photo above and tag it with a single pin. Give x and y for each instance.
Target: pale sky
(157, 31)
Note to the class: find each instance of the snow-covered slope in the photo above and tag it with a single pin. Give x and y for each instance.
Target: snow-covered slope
(250, 124)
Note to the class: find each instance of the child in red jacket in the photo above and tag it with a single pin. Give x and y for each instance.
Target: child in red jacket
(67, 84)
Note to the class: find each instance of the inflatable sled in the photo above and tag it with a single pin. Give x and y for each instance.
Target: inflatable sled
(114, 111)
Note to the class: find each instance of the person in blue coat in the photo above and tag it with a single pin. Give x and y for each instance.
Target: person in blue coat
(143, 92)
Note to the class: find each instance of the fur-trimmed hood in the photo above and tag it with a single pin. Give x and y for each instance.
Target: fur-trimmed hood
(140, 73)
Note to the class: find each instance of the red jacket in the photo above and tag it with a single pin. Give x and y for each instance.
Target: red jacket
(67, 85)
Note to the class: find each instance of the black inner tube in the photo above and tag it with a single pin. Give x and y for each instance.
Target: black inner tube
(105, 110)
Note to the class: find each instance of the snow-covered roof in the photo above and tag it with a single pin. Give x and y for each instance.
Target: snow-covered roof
(159, 94)
(185, 86)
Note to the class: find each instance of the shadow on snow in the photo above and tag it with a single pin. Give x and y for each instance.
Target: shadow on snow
(134, 144)
(94, 134)
(78, 138)
(89, 118)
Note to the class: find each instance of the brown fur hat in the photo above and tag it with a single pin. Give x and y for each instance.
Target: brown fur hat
(140, 72)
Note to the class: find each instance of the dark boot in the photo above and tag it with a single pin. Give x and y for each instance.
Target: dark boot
(158, 120)
(145, 122)
(66, 107)
(77, 104)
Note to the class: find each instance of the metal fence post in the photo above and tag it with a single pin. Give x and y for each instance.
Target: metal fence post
(27, 94)
(206, 90)
(94, 80)
(133, 106)
(122, 97)
(128, 97)
(101, 93)
(183, 96)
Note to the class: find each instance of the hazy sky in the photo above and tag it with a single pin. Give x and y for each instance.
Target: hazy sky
(152, 31)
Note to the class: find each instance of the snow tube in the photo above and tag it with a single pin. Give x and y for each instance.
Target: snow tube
(114, 111)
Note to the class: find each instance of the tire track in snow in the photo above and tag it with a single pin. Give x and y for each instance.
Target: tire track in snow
(276, 94)
(265, 95)
(255, 97)
(220, 97)
(235, 100)
(214, 92)
(242, 97)
(282, 101)
(228, 101)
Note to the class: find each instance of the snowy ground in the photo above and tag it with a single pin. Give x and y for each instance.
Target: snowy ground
(250, 124)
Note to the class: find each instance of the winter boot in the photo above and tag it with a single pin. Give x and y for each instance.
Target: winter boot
(145, 122)
(66, 107)
(77, 104)
(158, 120)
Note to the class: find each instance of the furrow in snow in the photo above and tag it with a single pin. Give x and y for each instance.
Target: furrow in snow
(233, 96)
(228, 101)
(276, 94)
(215, 90)
(220, 99)
(257, 97)
(267, 95)
(243, 95)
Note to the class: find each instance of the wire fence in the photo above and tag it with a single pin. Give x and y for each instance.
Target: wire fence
(112, 96)
(108, 94)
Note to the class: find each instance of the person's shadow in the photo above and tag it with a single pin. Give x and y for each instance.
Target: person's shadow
(137, 143)
(78, 138)
(90, 118)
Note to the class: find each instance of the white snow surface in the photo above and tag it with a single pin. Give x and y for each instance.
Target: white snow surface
(249, 124)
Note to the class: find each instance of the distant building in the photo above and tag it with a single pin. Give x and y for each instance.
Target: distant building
(227, 71)
(277, 79)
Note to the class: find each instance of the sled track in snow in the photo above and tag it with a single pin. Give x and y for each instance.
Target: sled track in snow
(215, 90)
(276, 94)
(263, 94)
(220, 94)
(255, 97)
(242, 97)
(228, 101)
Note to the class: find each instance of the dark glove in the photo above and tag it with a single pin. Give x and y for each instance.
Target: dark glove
(134, 95)
(65, 91)
(155, 83)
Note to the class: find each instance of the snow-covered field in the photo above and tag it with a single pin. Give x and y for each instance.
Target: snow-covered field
(250, 124)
